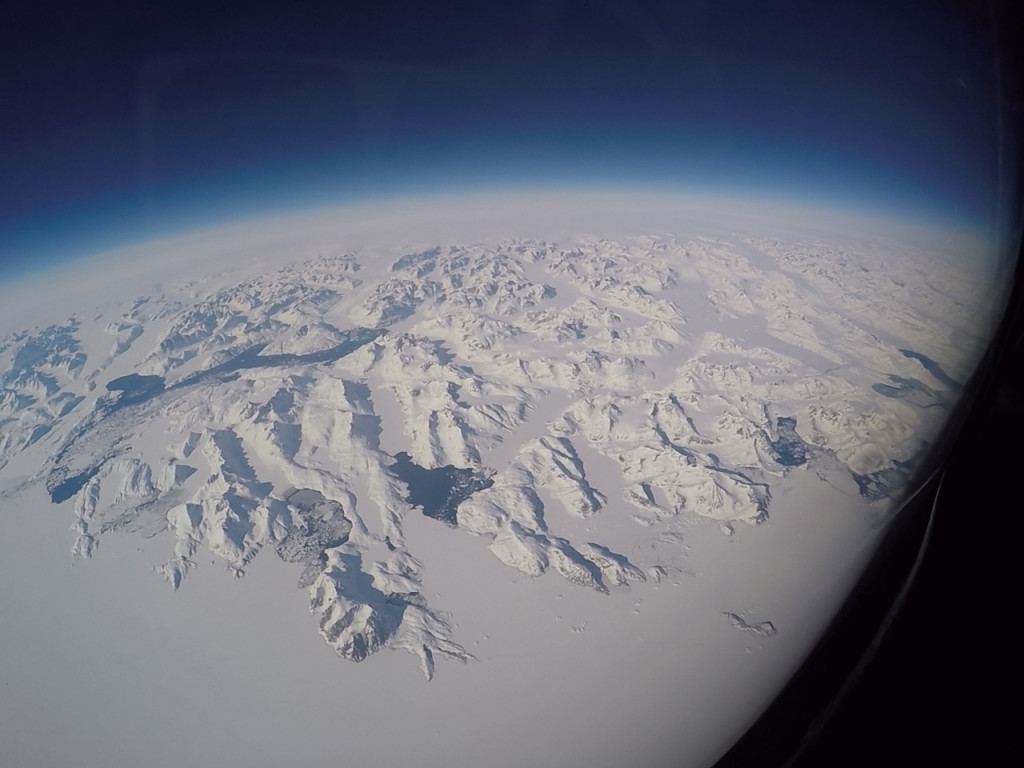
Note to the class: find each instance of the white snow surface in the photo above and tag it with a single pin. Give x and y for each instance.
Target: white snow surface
(669, 426)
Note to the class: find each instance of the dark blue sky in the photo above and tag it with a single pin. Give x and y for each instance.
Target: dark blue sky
(125, 120)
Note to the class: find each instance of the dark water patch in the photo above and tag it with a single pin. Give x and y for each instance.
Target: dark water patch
(134, 382)
(61, 490)
(890, 391)
(438, 492)
(354, 340)
(282, 402)
(788, 448)
(932, 367)
(912, 385)
(904, 388)
(246, 359)
(251, 358)
(135, 388)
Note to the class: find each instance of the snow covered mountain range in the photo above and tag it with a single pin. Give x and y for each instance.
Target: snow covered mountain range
(559, 401)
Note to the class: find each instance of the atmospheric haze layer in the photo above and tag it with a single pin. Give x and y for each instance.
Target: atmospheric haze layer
(621, 458)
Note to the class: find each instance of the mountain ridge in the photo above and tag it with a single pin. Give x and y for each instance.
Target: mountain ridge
(256, 418)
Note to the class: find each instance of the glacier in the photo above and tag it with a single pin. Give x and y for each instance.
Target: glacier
(564, 400)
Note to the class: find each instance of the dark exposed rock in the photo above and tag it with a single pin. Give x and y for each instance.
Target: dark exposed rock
(438, 492)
